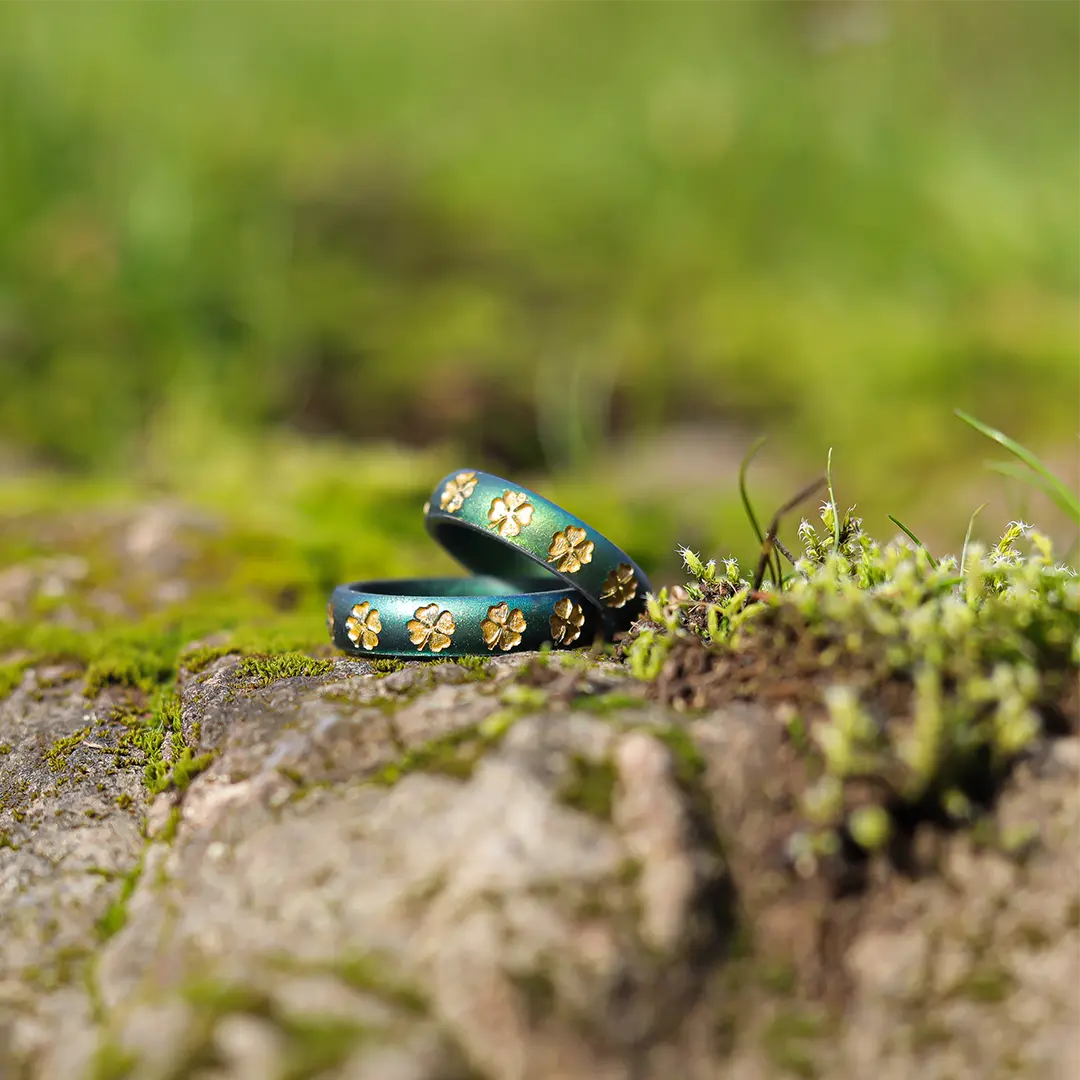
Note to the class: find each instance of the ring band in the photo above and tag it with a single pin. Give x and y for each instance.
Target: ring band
(424, 617)
(489, 524)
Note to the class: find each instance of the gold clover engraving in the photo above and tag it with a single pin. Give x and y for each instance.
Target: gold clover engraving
(619, 587)
(431, 628)
(510, 513)
(569, 550)
(363, 626)
(502, 627)
(566, 622)
(457, 491)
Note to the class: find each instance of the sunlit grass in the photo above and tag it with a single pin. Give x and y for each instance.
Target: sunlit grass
(524, 229)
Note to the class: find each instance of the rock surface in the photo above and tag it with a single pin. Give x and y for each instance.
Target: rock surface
(515, 873)
(520, 870)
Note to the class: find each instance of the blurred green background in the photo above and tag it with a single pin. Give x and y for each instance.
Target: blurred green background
(301, 259)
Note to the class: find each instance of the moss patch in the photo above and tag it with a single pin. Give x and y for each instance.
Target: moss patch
(188, 766)
(988, 984)
(112, 1062)
(261, 671)
(313, 1045)
(57, 755)
(602, 704)
(115, 917)
(199, 659)
(11, 673)
(455, 754)
(387, 665)
(590, 787)
(913, 684)
(318, 1045)
(789, 1041)
(370, 975)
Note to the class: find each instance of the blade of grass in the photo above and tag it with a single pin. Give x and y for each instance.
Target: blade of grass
(770, 537)
(775, 569)
(832, 499)
(1065, 498)
(744, 494)
(967, 536)
(1032, 479)
(1072, 553)
(911, 536)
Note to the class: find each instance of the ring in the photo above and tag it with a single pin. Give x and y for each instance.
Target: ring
(489, 524)
(425, 617)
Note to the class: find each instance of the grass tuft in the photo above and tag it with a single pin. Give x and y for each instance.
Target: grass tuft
(1036, 473)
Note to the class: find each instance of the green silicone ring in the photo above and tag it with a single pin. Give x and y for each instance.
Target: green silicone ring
(493, 526)
(426, 617)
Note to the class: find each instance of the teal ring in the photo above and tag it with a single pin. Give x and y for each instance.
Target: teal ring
(421, 618)
(491, 525)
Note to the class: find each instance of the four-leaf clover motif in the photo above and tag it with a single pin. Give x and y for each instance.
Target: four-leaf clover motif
(431, 628)
(457, 491)
(566, 622)
(569, 550)
(620, 586)
(510, 513)
(364, 625)
(502, 627)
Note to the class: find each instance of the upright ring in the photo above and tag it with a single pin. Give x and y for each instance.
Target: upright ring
(493, 526)
(426, 617)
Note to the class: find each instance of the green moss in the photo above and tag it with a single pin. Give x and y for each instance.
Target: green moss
(614, 701)
(11, 673)
(142, 669)
(5, 748)
(313, 1045)
(988, 984)
(1072, 914)
(60, 968)
(187, 767)
(522, 696)
(317, 1046)
(538, 992)
(197, 660)
(264, 670)
(218, 999)
(870, 827)
(165, 720)
(112, 1062)
(778, 977)
(115, 917)
(590, 787)
(455, 754)
(476, 664)
(387, 665)
(927, 1032)
(171, 826)
(788, 1040)
(689, 762)
(979, 649)
(1019, 841)
(56, 757)
(371, 976)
